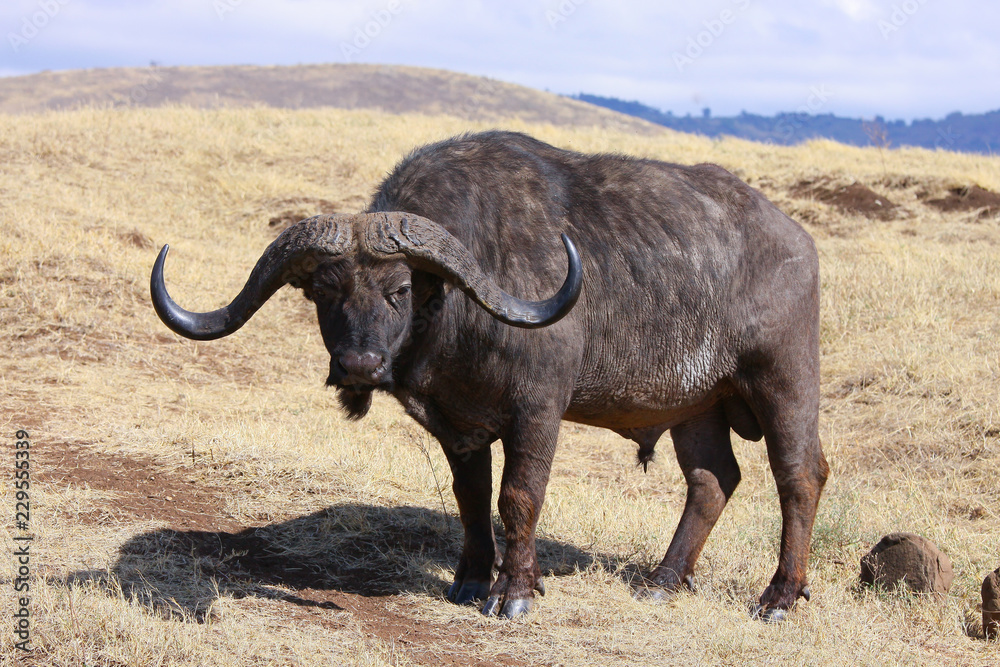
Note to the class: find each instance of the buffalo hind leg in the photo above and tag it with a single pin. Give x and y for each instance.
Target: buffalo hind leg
(705, 454)
(789, 416)
(528, 453)
(472, 484)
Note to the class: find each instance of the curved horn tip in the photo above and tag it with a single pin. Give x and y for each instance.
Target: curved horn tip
(571, 252)
(534, 315)
(574, 278)
(196, 326)
(156, 284)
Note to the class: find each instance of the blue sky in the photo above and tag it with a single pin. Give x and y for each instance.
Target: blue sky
(896, 58)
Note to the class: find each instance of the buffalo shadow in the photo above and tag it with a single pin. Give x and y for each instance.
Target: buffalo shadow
(350, 548)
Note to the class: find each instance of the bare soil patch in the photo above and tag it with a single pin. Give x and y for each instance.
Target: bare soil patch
(972, 198)
(285, 562)
(147, 491)
(854, 198)
(254, 563)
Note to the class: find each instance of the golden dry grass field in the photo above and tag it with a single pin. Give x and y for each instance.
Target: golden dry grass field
(208, 504)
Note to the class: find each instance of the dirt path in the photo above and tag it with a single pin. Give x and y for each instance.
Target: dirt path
(147, 490)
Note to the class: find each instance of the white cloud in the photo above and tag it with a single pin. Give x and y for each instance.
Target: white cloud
(856, 10)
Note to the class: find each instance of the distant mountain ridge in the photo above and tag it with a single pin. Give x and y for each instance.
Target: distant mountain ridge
(972, 133)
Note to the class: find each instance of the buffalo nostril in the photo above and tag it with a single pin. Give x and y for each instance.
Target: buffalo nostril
(364, 365)
(371, 360)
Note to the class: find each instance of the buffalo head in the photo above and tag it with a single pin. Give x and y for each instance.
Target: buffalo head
(360, 271)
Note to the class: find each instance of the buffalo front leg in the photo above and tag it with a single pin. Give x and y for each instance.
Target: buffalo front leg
(528, 453)
(705, 454)
(473, 487)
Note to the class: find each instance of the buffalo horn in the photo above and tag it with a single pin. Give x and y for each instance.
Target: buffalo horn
(430, 247)
(291, 258)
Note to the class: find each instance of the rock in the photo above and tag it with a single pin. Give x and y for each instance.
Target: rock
(991, 605)
(905, 558)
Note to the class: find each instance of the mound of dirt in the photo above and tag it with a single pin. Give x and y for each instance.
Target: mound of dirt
(991, 604)
(299, 208)
(968, 199)
(136, 239)
(907, 559)
(854, 198)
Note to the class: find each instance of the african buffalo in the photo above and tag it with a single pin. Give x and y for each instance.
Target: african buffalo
(696, 310)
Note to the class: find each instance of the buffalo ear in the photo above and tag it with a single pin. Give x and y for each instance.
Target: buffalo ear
(357, 403)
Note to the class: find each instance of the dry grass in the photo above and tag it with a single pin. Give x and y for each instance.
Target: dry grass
(354, 549)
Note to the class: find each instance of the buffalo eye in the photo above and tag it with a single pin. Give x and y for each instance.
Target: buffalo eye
(321, 292)
(397, 296)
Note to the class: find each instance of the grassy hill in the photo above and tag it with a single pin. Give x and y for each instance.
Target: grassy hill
(395, 89)
(207, 503)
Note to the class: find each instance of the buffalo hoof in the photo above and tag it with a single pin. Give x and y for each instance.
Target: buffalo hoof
(770, 615)
(650, 591)
(491, 606)
(774, 608)
(468, 591)
(510, 609)
(515, 608)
